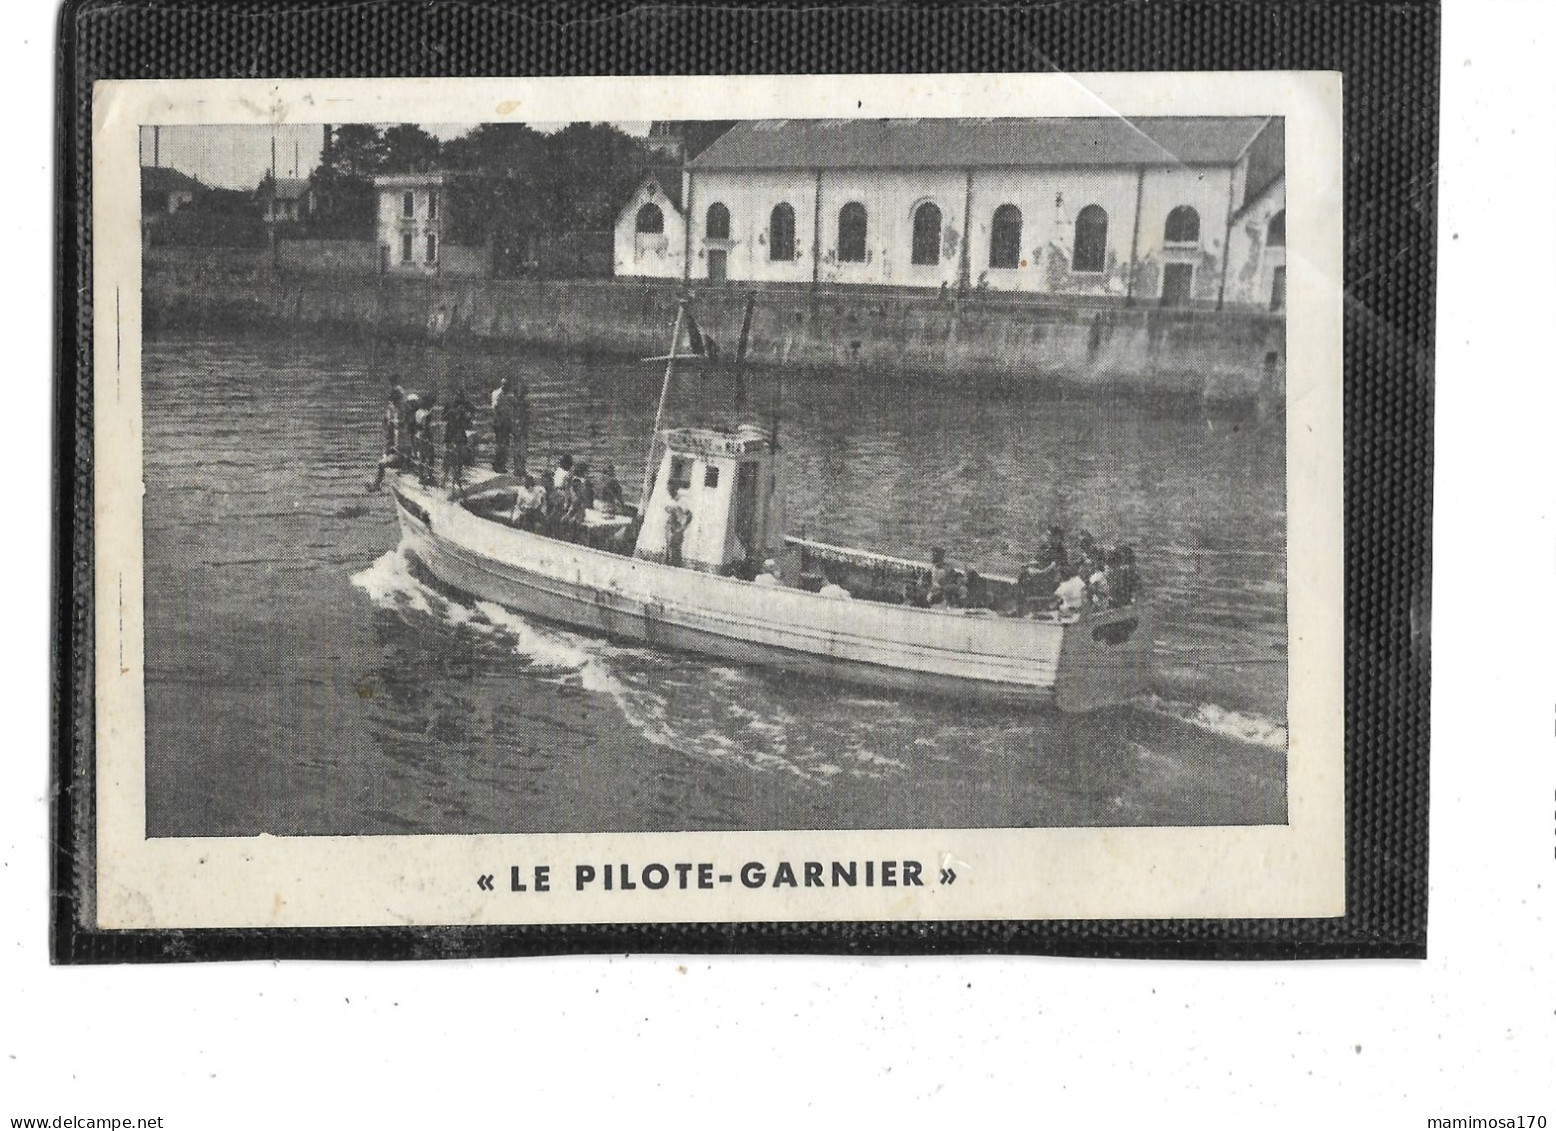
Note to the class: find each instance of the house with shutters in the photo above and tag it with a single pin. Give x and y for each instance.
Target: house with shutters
(1169, 211)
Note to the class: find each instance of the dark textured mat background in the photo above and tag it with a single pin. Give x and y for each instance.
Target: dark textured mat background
(1389, 57)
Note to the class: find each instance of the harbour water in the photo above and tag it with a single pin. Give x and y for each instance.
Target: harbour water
(302, 679)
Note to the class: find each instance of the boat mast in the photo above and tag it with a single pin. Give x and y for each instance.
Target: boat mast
(664, 395)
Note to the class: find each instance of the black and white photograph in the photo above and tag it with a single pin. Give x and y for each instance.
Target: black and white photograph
(808, 474)
(590, 475)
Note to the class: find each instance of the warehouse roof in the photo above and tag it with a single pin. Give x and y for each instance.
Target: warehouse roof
(864, 143)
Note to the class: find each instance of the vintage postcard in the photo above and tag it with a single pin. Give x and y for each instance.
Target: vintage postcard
(688, 500)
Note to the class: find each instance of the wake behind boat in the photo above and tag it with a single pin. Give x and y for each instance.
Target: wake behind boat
(681, 573)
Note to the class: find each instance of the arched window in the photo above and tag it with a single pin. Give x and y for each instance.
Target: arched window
(1005, 237)
(651, 221)
(1091, 239)
(853, 225)
(1277, 236)
(926, 235)
(780, 234)
(1183, 225)
(717, 227)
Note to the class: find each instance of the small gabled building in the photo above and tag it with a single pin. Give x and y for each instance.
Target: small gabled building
(163, 191)
(285, 200)
(651, 231)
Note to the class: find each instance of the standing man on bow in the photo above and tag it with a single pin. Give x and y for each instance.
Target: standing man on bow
(510, 424)
(458, 420)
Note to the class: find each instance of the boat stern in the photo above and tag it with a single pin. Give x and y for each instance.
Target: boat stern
(1104, 660)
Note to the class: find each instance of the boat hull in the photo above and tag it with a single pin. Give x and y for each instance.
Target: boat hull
(897, 648)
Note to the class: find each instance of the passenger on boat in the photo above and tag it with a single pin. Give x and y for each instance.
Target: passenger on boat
(559, 490)
(1073, 593)
(576, 499)
(391, 419)
(677, 519)
(582, 488)
(610, 499)
(1097, 586)
(1040, 576)
(510, 424)
(1053, 549)
(458, 420)
(1083, 567)
(392, 429)
(529, 504)
(1122, 579)
(947, 584)
(424, 446)
(562, 472)
(406, 405)
(768, 578)
(976, 592)
(1086, 546)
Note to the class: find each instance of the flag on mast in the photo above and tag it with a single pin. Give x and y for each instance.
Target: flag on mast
(702, 345)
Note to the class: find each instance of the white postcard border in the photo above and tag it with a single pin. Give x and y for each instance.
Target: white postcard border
(1296, 870)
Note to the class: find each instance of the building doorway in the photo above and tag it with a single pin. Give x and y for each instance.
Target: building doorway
(1278, 289)
(718, 265)
(1177, 284)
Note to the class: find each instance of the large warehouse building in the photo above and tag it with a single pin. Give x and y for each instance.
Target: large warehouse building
(1176, 211)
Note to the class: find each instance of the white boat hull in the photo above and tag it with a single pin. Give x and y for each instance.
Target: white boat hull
(1093, 661)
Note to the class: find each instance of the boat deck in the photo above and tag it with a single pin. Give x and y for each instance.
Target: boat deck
(812, 564)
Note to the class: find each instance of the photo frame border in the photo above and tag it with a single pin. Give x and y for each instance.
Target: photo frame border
(1388, 58)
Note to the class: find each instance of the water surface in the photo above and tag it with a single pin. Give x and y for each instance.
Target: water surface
(302, 679)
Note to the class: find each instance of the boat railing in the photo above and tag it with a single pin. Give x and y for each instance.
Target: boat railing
(884, 577)
(849, 555)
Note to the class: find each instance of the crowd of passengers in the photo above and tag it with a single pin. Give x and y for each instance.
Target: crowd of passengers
(556, 506)
(561, 505)
(410, 433)
(1057, 579)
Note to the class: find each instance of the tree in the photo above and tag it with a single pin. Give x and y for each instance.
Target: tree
(353, 152)
(352, 156)
(497, 149)
(408, 148)
(519, 189)
(500, 197)
(593, 167)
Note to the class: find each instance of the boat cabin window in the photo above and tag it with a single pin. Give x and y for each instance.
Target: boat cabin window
(710, 477)
(680, 472)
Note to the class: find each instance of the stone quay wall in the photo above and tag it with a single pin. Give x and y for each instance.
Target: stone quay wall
(1102, 344)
